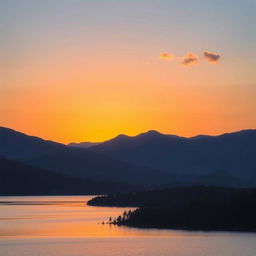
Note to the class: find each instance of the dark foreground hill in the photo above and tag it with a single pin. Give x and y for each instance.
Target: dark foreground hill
(195, 208)
(85, 164)
(17, 178)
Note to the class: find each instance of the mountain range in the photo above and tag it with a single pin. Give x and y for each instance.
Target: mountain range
(149, 159)
(73, 161)
(230, 154)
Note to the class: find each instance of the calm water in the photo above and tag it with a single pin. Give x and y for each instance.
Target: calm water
(65, 226)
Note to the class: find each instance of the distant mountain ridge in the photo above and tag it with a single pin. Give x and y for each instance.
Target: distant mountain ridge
(150, 158)
(232, 153)
(17, 145)
(73, 161)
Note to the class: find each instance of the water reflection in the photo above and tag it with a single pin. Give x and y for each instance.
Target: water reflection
(58, 216)
(66, 226)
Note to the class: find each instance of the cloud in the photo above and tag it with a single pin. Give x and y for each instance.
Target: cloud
(166, 56)
(190, 59)
(211, 57)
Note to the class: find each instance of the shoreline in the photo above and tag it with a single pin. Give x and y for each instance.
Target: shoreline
(188, 229)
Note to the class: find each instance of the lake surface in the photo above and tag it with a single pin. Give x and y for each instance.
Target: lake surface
(66, 226)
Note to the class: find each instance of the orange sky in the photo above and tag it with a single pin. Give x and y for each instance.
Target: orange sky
(88, 80)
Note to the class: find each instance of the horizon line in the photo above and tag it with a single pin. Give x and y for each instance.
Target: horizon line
(130, 136)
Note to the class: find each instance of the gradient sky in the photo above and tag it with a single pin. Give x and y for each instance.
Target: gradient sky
(87, 70)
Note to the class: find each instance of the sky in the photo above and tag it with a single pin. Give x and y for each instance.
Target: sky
(88, 70)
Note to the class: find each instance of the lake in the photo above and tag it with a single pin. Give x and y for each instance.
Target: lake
(66, 226)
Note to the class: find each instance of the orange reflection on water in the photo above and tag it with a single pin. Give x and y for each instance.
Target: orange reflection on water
(63, 216)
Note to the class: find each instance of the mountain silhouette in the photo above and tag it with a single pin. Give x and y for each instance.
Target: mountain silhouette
(232, 153)
(17, 145)
(148, 159)
(80, 162)
(72, 161)
(17, 178)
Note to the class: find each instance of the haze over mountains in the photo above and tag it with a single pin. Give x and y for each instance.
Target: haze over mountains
(149, 159)
(83, 144)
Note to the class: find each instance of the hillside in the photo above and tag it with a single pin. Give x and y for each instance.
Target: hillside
(193, 208)
(232, 153)
(17, 178)
(81, 163)
(150, 159)
(17, 145)
(75, 162)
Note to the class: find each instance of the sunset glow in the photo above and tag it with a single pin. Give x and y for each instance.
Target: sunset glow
(127, 127)
(72, 75)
